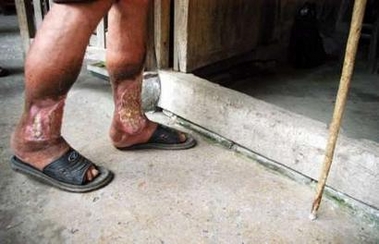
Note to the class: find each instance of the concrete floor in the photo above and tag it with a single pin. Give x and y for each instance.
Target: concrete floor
(204, 195)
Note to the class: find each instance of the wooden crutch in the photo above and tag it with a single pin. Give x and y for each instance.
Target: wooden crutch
(347, 71)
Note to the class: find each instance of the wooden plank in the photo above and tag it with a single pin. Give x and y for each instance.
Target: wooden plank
(233, 28)
(181, 34)
(207, 31)
(50, 3)
(45, 6)
(25, 20)
(38, 13)
(100, 34)
(162, 32)
(151, 62)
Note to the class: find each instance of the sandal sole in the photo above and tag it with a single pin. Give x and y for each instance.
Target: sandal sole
(104, 178)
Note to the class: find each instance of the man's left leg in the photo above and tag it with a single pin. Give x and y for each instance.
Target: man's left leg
(51, 68)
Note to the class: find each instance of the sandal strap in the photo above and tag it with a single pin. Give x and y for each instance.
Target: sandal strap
(70, 168)
(165, 135)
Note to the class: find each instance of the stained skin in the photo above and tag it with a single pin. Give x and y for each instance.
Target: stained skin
(125, 62)
(46, 120)
(51, 67)
(129, 125)
(53, 64)
(129, 110)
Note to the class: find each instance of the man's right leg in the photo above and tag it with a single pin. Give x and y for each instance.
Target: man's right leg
(51, 67)
(125, 63)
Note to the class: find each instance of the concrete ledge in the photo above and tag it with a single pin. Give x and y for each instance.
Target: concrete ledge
(355, 207)
(293, 140)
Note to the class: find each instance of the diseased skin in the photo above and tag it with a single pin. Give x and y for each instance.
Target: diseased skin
(53, 64)
(129, 125)
(126, 49)
(51, 67)
(46, 120)
(128, 109)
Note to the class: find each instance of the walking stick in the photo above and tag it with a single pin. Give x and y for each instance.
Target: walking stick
(347, 71)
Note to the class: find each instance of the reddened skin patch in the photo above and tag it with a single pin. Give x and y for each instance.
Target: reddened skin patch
(45, 119)
(130, 111)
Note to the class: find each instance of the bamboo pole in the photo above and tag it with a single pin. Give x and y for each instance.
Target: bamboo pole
(347, 71)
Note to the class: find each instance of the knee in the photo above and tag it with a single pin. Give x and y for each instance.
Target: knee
(125, 66)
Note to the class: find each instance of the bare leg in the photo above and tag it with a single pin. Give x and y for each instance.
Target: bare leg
(51, 68)
(125, 62)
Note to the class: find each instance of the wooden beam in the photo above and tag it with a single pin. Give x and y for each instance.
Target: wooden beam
(25, 21)
(100, 34)
(162, 32)
(51, 2)
(151, 61)
(38, 13)
(181, 34)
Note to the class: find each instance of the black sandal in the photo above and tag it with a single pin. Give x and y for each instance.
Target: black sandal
(164, 138)
(67, 173)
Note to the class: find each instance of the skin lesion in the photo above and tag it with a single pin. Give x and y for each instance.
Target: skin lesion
(37, 127)
(45, 121)
(129, 111)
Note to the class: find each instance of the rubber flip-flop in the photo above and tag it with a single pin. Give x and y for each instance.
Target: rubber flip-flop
(164, 138)
(67, 173)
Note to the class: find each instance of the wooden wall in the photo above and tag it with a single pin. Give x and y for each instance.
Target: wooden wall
(207, 31)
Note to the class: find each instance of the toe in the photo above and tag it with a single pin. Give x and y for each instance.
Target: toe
(92, 172)
(182, 137)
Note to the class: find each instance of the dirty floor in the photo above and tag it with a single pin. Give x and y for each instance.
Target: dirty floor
(204, 195)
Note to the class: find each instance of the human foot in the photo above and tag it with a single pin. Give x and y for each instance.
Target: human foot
(66, 173)
(130, 126)
(37, 139)
(165, 138)
(40, 154)
(153, 136)
(57, 164)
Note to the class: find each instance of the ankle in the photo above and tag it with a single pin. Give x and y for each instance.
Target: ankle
(128, 125)
(120, 133)
(39, 153)
(122, 137)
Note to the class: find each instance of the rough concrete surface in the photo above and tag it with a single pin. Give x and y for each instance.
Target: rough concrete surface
(296, 141)
(204, 195)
